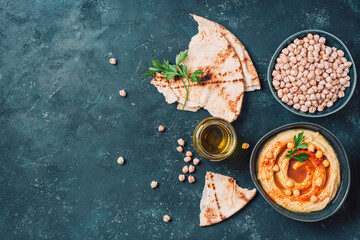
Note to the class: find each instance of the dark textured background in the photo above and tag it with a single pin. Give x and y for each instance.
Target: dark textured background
(63, 123)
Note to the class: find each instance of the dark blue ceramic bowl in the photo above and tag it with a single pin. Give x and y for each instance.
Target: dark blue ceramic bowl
(331, 41)
(343, 190)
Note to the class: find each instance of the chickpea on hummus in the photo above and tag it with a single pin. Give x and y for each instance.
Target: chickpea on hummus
(306, 186)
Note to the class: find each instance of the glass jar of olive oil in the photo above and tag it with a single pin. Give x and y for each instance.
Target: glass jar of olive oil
(214, 139)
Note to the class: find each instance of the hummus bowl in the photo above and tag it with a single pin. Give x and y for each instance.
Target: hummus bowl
(279, 181)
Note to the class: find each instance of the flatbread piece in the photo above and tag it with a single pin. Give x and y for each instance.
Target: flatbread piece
(221, 198)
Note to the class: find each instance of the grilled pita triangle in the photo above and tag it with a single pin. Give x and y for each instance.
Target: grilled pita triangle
(222, 88)
(251, 78)
(221, 198)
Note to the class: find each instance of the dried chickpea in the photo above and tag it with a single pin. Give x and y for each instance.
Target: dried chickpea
(121, 160)
(314, 199)
(245, 146)
(326, 163)
(290, 145)
(276, 168)
(319, 154)
(122, 93)
(161, 128)
(185, 169)
(181, 142)
(187, 159)
(311, 147)
(112, 61)
(296, 193)
(196, 161)
(318, 181)
(166, 218)
(191, 179)
(269, 155)
(188, 154)
(289, 183)
(181, 177)
(154, 184)
(287, 192)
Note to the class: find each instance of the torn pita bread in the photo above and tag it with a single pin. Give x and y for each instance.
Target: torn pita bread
(222, 88)
(251, 78)
(221, 198)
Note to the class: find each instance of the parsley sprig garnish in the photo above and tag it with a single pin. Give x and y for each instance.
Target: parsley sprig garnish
(170, 71)
(301, 157)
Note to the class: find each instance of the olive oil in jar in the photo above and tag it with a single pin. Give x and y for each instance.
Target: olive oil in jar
(215, 139)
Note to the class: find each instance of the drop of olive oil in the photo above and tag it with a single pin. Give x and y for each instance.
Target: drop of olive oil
(215, 139)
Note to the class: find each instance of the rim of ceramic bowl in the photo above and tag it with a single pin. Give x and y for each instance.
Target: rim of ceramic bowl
(253, 173)
(290, 108)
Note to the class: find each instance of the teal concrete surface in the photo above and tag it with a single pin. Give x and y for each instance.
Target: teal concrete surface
(63, 123)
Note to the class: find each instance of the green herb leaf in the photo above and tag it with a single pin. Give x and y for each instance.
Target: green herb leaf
(195, 78)
(181, 57)
(302, 146)
(298, 139)
(301, 157)
(291, 153)
(170, 71)
(298, 144)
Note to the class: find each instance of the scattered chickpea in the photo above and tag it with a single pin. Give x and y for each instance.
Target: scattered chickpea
(161, 128)
(191, 179)
(188, 153)
(121, 160)
(314, 199)
(311, 147)
(166, 218)
(179, 149)
(276, 168)
(269, 155)
(290, 183)
(196, 161)
(288, 192)
(326, 163)
(122, 93)
(112, 61)
(318, 181)
(319, 154)
(191, 169)
(296, 193)
(185, 169)
(245, 146)
(187, 159)
(290, 145)
(154, 184)
(181, 142)
(181, 177)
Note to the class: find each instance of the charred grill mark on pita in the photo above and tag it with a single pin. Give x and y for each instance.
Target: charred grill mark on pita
(210, 214)
(207, 77)
(242, 196)
(216, 83)
(211, 176)
(233, 104)
(231, 180)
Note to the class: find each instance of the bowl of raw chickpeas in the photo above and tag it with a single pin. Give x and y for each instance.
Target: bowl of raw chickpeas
(312, 74)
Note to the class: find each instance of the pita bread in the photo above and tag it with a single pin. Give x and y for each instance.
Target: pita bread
(251, 78)
(222, 88)
(221, 198)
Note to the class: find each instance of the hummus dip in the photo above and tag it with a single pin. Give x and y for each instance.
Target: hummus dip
(299, 186)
